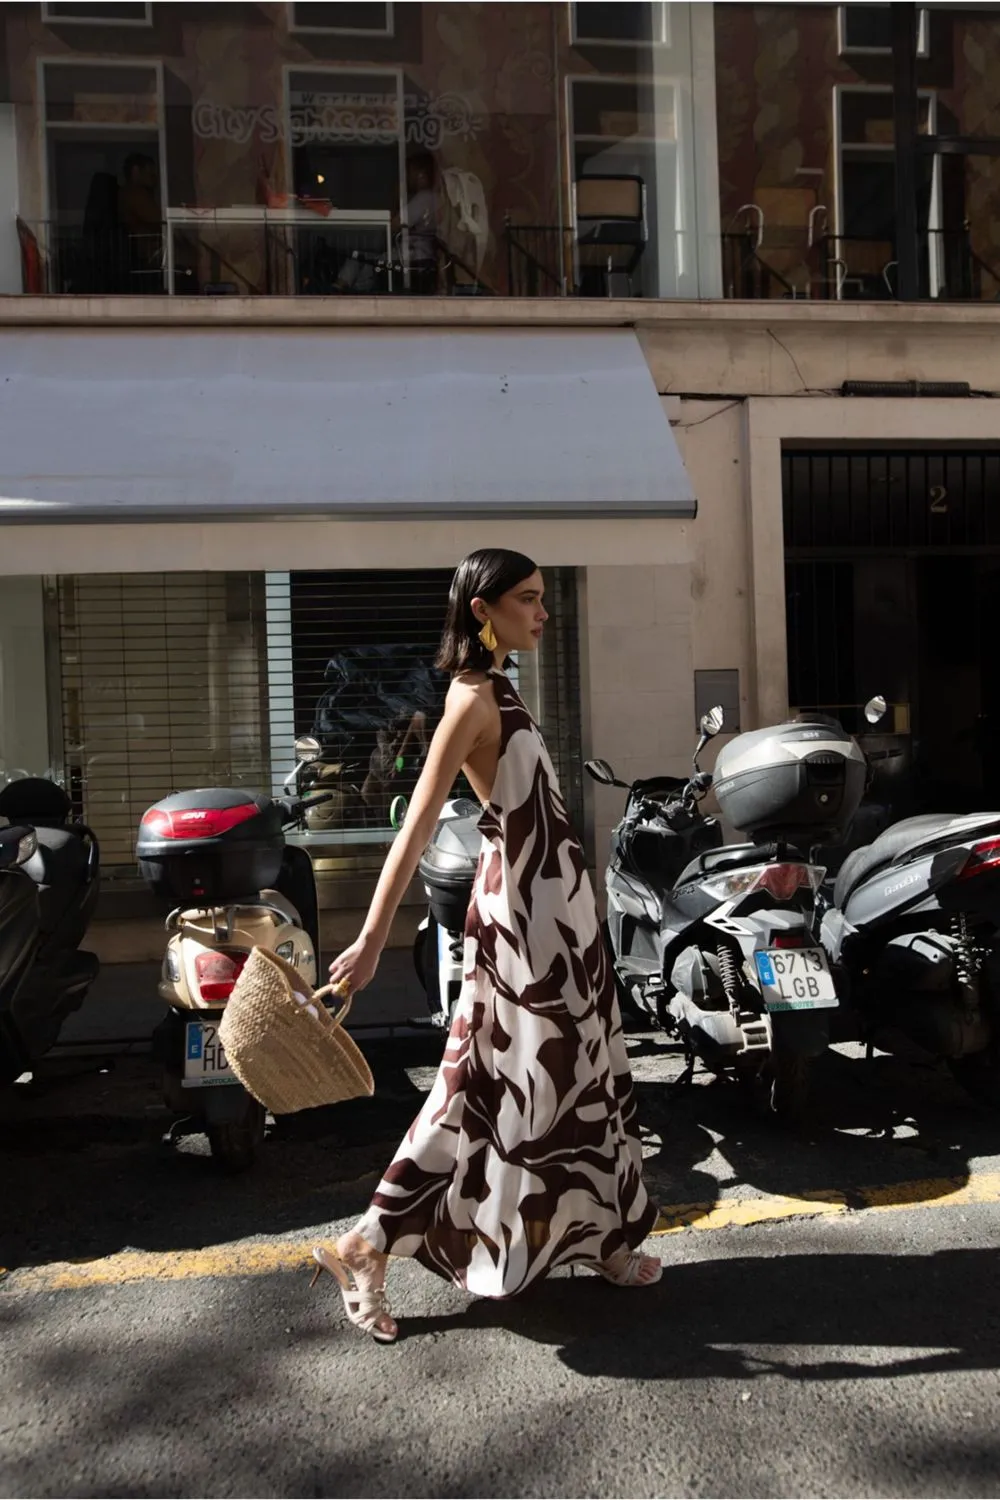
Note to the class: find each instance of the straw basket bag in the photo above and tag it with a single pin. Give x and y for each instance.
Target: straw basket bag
(284, 1045)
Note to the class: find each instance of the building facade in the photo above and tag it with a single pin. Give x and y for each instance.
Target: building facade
(305, 301)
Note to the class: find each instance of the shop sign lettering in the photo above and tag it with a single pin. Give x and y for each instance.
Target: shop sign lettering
(371, 119)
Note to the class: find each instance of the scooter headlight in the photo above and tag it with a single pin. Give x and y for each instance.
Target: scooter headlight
(26, 847)
(286, 951)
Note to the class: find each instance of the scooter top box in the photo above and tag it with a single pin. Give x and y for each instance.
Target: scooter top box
(211, 845)
(448, 867)
(803, 780)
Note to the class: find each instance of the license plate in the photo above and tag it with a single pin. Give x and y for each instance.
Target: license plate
(205, 1064)
(795, 979)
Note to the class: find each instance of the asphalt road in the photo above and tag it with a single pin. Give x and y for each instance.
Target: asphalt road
(828, 1322)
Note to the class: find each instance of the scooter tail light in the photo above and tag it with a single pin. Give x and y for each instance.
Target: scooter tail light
(784, 880)
(195, 822)
(217, 972)
(781, 881)
(982, 857)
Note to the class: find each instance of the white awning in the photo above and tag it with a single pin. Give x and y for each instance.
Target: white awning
(127, 425)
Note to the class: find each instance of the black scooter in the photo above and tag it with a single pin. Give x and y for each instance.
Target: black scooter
(912, 930)
(49, 884)
(715, 942)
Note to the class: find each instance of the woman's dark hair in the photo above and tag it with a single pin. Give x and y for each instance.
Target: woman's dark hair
(486, 574)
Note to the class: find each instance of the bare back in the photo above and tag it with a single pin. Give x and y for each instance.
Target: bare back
(481, 766)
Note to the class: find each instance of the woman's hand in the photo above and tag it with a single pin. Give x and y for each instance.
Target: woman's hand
(357, 964)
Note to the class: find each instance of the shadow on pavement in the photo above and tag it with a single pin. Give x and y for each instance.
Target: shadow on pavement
(271, 1399)
(88, 1179)
(728, 1317)
(871, 1124)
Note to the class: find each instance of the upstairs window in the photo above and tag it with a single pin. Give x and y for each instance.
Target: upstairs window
(342, 19)
(621, 24)
(868, 28)
(101, 13)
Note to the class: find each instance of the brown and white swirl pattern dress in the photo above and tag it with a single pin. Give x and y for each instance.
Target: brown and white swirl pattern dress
(526, 1154)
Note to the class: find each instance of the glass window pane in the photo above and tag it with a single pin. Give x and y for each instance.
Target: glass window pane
(345, 17)
(91, 94)
(623, 22)
(867, 26)
(66, 10)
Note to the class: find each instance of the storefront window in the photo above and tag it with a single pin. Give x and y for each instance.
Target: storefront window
(25, 748)
(127, 688)
(356, 149)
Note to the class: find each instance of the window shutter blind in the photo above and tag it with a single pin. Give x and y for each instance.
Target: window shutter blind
(177, 680)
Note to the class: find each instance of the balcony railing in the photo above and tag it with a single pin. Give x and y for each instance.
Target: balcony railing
(303, 254)
(235, 253)
(760, 262)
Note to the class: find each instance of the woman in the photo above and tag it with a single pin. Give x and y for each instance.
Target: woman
(526, 1154)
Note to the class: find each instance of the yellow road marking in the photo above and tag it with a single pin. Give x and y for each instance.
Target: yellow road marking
(268, 1257)
(946, 1192)
(241, 1259)
(733, 1213)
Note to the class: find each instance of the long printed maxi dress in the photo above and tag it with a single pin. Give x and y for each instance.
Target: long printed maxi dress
(526, 1153)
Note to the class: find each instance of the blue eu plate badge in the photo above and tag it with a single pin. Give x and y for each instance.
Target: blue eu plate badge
(765, 969)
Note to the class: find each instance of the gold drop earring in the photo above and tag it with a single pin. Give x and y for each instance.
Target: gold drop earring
(488, 636)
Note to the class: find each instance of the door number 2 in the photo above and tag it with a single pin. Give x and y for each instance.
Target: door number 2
(939, 500)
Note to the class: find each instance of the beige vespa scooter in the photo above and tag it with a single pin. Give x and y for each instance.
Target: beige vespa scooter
(220, 854)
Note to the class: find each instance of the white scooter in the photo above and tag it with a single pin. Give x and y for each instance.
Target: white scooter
(447, 869)
(219, 854)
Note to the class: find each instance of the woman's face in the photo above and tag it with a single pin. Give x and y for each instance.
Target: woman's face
(519, 615)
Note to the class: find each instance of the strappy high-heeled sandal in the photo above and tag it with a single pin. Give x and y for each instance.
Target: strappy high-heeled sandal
(364, 1307)
(625, 1268)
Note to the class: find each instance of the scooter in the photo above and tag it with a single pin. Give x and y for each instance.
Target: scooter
(220, 854)
(714, 942)
(447, 870)
(912, 931)
(49, 884)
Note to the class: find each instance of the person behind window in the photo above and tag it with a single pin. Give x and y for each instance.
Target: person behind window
(103, 261)
(422, 221)
(417, 237)
(139, 210)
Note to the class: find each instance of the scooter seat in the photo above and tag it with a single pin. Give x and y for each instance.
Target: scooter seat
(900, 839)
(730, 857)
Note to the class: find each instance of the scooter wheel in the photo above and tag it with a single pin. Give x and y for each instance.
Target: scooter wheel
(236, 1143)
(779, 1088)
(789, 1075)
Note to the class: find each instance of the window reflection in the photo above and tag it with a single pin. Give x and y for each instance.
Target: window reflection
(361, 149)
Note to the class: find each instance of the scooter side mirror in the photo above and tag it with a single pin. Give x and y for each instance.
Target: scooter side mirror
(600, 771)
(712, 723)
(876, 709)
(307, 749)
(397, 812)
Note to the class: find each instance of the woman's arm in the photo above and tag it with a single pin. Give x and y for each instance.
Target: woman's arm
(466, 723)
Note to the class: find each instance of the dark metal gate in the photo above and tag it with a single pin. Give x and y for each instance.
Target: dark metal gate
(892, 586)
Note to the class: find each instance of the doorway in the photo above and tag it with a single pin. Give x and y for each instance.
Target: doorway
(893, 587)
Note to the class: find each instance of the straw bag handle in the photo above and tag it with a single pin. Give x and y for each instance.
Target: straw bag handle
(340, 989)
